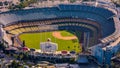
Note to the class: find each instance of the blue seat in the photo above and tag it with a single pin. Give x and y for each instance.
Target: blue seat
(98, 14)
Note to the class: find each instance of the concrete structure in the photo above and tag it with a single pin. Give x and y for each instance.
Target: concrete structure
(99, 20)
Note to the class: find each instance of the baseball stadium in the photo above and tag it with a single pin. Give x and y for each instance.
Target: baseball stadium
(74, 27)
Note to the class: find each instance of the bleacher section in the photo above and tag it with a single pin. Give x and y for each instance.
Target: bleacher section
(116, 34)
(100, 11)
(98, 14)
(23, 18)
(34, 28)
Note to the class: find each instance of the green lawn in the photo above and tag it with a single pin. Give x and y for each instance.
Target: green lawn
(32, 40)
(66, 33)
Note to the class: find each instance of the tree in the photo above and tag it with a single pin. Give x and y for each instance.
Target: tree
(23, 43)
(6, 3)
(72, 1)
(75, 47)
(1, 4)
(61, 0)
(23, 4)
(14, 64)
(117, 2)
(68, 47)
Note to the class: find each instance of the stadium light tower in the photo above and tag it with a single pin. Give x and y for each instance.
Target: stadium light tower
(96, 3)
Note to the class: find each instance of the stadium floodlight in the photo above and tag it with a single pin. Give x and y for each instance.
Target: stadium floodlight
(96, 3)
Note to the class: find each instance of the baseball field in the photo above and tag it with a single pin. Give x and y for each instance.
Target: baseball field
(65, 40)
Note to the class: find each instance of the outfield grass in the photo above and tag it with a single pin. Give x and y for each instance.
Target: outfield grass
(32, 40)
(66, 33)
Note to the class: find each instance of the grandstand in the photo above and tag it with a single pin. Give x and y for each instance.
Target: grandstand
(95, 20)
(98, 25)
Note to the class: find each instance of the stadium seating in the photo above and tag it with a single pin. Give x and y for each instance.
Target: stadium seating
(101, 15)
